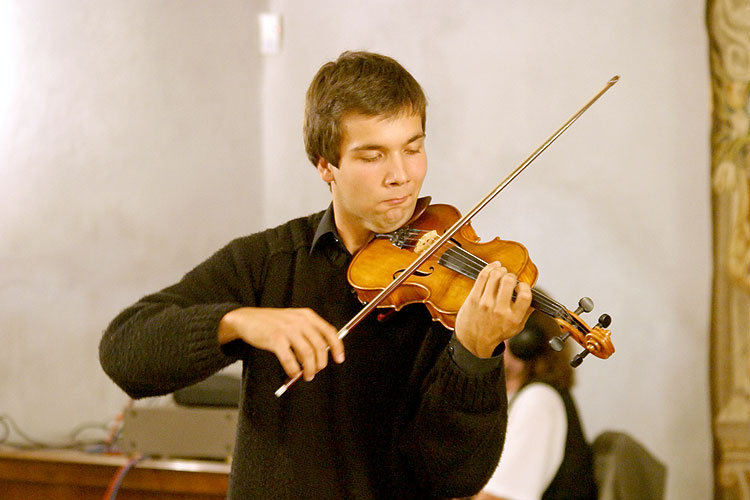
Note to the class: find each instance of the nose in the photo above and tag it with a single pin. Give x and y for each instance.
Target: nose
(397, 173)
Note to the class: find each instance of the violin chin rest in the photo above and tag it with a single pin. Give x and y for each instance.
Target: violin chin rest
(419, 208)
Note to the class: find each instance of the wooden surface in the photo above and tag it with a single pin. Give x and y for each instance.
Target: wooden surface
(72, 475)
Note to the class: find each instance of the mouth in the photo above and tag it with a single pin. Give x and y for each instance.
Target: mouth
(397, 201)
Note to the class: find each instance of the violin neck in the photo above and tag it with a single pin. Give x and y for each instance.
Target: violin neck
(547, 305)
(469, 265)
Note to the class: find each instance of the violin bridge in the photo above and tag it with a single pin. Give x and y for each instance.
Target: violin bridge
(425, 241)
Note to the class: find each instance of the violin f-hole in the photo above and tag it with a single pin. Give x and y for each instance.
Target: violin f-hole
(422, 274)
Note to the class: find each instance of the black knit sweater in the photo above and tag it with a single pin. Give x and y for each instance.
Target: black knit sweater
(401, 418)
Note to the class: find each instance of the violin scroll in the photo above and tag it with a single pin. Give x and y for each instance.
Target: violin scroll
(595, 340)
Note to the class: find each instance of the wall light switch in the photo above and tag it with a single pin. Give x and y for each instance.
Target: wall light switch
(270, 33)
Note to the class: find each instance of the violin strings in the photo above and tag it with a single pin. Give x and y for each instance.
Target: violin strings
(541, 301)
(468, 264)
(469, 261)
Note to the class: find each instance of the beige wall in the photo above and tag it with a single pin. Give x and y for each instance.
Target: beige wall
(135, 143)
(129, 151)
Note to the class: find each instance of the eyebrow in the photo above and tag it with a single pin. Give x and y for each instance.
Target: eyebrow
(375, 147)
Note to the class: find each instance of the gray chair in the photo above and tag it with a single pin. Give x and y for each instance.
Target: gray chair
(625, 470)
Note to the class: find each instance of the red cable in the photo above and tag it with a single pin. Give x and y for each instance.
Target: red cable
(114, 484)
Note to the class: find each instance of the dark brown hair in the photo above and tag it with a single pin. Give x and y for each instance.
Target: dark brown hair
(550, 366)
(357, 82)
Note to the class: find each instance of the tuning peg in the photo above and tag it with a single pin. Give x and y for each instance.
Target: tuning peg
(584, 305)
(557, 343)
(576, 362)
(604, 321)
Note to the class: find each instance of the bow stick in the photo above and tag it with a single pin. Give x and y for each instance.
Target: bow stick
(432, 248)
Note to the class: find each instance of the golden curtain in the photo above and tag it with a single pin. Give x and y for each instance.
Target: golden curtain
(728, 23)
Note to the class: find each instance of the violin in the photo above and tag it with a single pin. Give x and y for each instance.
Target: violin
(443, 281)
(425, 247)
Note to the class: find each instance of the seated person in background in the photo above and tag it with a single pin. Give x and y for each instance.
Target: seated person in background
(546, 455)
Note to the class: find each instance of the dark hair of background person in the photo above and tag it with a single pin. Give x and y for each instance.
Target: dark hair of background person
(543, 364)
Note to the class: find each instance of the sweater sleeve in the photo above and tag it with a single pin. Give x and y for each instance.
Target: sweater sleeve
(169, 340)
(455, 438)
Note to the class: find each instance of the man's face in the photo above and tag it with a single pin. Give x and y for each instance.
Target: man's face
(377, 182)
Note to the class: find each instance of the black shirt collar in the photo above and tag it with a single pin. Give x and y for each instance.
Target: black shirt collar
(326, 231)
(325, 226)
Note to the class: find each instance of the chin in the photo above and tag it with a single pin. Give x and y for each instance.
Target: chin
(392, 219)
(387, 225)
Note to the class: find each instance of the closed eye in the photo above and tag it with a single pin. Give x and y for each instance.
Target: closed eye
(415, 145)
(370, 158)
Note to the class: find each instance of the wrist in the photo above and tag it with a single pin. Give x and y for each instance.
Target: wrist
(471, 363)
(227, 331)
(477, 347)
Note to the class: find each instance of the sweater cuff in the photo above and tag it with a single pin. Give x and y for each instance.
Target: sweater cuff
(466, 391)
(469, 362)
(204, 339)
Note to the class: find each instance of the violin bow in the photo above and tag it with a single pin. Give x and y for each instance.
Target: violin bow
(450, 232)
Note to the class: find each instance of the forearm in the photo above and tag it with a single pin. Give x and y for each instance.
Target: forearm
(169, 339)
(456, 437)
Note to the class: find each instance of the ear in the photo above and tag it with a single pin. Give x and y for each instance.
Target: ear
(325, 170)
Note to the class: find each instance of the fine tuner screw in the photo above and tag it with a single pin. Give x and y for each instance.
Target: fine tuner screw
(584, 305)
(604, 321)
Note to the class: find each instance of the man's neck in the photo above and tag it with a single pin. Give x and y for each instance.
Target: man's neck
(354, 244)
(353, 240)
(353, 236)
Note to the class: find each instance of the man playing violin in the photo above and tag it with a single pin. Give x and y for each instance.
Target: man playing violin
(416, 411)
